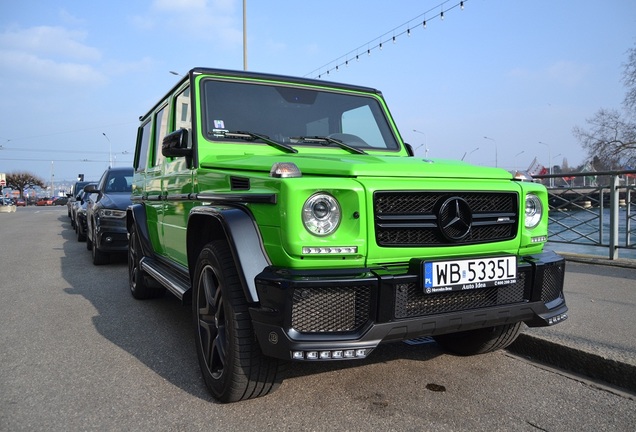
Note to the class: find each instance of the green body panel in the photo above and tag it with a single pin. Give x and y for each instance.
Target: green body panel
(351, 178)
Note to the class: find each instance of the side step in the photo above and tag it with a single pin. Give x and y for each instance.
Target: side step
(178, 283)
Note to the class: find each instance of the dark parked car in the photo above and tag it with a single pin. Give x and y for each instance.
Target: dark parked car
(76, 202)
(60, 201)
(76, 189)
(78, 214)
(106, 213)
(20, 202)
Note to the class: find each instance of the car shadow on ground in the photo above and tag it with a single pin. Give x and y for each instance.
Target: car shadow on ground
(159, 333)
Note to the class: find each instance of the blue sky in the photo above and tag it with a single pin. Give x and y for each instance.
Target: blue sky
(75, 75)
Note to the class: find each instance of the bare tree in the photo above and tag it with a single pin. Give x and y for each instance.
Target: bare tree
(629, 80)
(20, 180)
(610, 135)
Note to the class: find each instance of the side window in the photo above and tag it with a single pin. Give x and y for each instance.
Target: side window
(161, 128)
(182, 112)
(143, 143)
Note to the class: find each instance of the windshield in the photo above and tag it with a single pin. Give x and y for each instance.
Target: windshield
(285, 114)
(119, 182)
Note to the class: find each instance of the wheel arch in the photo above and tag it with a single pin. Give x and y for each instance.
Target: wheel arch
(136, 215)
(237, 226)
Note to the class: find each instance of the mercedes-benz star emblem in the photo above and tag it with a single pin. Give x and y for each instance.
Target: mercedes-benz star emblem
(455, 218)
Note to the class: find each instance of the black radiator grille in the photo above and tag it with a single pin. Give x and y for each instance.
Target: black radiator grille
(411, 301)
(412, 218)
(331, 309)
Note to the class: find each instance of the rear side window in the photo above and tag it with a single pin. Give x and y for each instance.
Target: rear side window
(182, 113)
(143, 143)
(161, 128)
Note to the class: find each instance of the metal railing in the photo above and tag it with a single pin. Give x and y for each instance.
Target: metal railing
(593, 209)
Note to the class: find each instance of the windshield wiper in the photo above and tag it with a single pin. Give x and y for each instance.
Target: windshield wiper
(251, 136)
(328, 140)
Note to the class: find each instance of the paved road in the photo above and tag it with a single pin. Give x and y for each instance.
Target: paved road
(78, 353)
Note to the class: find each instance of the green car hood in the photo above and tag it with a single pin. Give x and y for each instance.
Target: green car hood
(359, 166)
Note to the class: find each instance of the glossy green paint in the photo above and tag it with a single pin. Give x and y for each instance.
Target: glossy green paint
(350, 178)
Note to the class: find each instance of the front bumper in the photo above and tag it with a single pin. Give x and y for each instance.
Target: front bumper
(111, 234)
(346, 314)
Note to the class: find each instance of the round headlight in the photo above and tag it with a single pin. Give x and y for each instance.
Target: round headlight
(534, 211)
(321, 214)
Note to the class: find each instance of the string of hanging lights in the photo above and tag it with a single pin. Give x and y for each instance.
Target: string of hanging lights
(380, 42)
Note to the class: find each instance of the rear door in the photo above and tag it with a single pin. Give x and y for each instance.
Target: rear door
(177, 183)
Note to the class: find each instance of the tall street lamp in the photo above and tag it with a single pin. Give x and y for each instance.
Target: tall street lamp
(496, 157)
(551, 182)
(516, 165)
(471, 152)
(110, 150)
(426, 147)
(244, 34)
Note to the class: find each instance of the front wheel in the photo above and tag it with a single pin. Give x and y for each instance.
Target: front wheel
(233, 366)
(99, 257)
(140, 286)
(480, 341)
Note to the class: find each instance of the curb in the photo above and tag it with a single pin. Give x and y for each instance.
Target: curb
(597, 260)
(591, 365)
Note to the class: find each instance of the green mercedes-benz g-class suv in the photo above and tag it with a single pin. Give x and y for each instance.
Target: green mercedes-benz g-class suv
(300, 227)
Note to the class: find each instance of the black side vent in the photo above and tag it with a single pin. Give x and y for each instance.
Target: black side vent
(239, 183)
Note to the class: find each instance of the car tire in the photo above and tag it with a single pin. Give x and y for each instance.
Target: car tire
(99, 257)
(233, 366)
(89, 240)
(140, 285)
(480, 341)
(81, 235)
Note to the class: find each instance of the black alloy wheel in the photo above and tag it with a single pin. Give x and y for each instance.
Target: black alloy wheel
(230, 358)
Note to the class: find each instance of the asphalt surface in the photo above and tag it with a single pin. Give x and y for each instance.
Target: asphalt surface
(598, 340)
(78, 353)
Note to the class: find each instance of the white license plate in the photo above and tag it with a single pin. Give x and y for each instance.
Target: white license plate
(443, 276)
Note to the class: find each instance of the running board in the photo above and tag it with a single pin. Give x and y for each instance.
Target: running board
(178, 283)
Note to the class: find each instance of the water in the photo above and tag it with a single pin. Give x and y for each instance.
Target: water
(582, 226)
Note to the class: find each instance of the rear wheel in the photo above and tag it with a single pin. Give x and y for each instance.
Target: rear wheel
(233, 366)
(140, 286)
(480, 341)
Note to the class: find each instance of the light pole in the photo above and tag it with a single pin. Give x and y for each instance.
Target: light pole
(110, 150)
(471, 152)
(551, 182)
(426, 147)
(52, 179)
(496, 157)
(516, 165)
(244, 34)
(551, 165)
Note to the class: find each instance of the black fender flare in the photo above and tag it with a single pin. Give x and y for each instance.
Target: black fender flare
(136, 214)
(237, 226)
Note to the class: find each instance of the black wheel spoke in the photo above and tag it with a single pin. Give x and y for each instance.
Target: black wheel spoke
(233, 367)
(211, 323)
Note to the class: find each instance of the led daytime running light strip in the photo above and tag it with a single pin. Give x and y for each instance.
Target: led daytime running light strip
(317, 250)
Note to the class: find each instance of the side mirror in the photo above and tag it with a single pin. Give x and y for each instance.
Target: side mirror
(409, 149)
(175, 144)
(91, 188)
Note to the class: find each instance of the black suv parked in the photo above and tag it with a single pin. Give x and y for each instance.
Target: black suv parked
(106, 214)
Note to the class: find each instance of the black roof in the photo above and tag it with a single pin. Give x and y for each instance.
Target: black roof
(259, 75)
